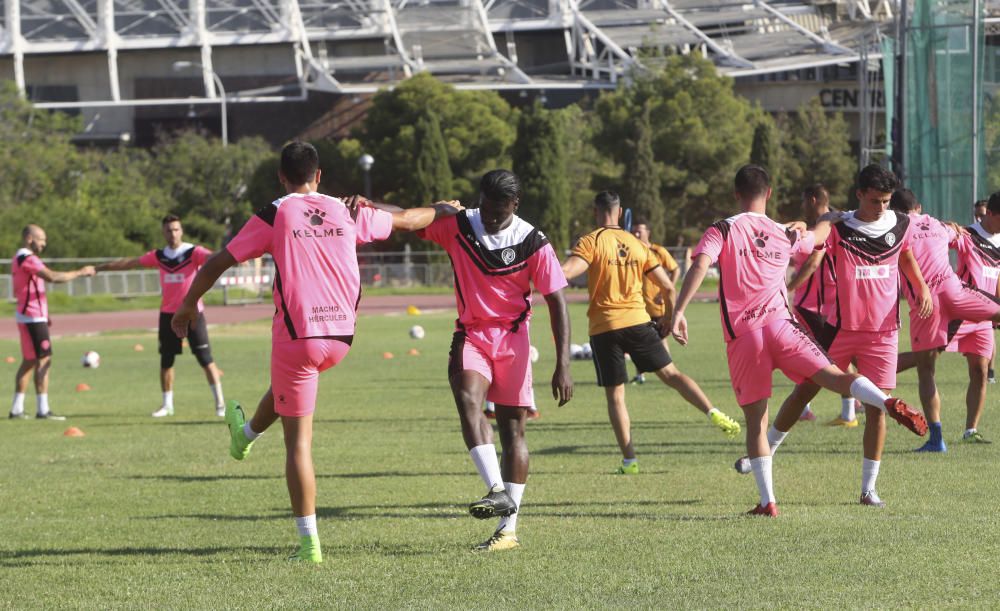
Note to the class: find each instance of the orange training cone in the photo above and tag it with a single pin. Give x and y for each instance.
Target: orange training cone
(10, 359)
(74, 432)
(387, 355)
(82, 386)
(414, 352)
(138, 348)
(413, 310)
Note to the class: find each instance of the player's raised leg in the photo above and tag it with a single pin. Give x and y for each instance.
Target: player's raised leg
(692, 393)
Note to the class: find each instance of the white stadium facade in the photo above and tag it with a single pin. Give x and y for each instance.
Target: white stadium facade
(131, 66)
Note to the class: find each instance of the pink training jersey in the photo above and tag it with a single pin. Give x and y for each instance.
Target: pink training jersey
(979, 258)
(819, 293)
(178, 267)
(313, 239)
(29, 289)
(494, 272)
(753, 252)
(929, 240)
(866, 261)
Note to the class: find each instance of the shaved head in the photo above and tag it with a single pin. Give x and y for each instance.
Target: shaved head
(33, 238)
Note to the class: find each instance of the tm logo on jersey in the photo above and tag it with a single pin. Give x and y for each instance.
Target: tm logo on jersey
(315, 216)
(873, 272)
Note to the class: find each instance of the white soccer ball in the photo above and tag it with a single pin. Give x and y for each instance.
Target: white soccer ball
(575, 352)
(587, 352)
(90, 359)
(533, 354)
(417, 332)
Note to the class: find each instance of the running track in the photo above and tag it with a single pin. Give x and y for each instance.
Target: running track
(101, 322)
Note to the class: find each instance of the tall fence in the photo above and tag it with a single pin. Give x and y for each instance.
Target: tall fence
(252, 280)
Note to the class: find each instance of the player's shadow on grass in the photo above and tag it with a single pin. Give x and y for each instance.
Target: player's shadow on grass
(655, 449)
(202, 478)
(37, 556)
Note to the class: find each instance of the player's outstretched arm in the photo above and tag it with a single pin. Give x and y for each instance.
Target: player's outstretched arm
(908, 265)
(214, 267)
(668, 293)
(414, 219)
(48, 275)
(562, 383)
(574, 266)
(119, 265)
(807, 269)
(692, 282)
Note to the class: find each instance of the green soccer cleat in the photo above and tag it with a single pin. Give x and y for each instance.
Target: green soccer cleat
(974, 437)
(632, 469)
(239, 445)
(726, 424)
(309, 550)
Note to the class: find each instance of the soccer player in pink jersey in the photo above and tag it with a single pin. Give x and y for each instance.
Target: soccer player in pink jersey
(317, 288)
(178, 263)
(32, 317)
(761, 335)
(869, 247)
(954, 302)
(497, 258)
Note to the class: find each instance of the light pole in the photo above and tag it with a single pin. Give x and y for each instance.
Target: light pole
(366, 162)
(184, 65)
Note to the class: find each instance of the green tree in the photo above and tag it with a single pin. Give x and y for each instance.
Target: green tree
(478, 128)
(641, 180)
(432, 179)
(701, 134)
(207, 183)
(817, 149)
(539, 157)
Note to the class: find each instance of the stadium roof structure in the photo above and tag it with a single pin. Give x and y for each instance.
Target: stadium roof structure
(360, 46)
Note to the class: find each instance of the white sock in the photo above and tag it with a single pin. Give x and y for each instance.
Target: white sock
(491, 406)
(628, 462)
(869, 473)
(711, 411)
(17, 405)
(968, 432)
(306, 526)
(864, 390)
(774, 438)
(217, 393)
(516, 492)
(485, 459)
(43, 403)
(808, 409)
(249, 432)
(847, 408)
(761, 468)
(168, 399)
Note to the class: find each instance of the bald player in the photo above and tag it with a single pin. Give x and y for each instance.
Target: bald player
(29, 275)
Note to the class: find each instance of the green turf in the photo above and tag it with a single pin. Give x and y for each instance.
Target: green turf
(152, 514)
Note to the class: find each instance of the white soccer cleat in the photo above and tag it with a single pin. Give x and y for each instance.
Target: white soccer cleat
(163, 412)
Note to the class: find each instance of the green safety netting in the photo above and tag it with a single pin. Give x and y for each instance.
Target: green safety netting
(940, 107)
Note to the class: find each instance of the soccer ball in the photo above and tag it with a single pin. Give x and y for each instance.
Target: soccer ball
(533, 354)
(90, 359)
(417, 332)
(587, 352)
(576, 352)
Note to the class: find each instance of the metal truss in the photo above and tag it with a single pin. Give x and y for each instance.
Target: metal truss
(332, 42)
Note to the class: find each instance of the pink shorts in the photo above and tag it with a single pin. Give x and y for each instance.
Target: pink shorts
(35, 341)
(295, 368)
(781, 344)
(874, 352)
(953, 301)
(975, 339)
(499, 355)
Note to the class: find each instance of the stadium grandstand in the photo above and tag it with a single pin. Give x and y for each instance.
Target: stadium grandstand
(128, 65)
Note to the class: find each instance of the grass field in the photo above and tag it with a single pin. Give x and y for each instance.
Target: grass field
(154, 514)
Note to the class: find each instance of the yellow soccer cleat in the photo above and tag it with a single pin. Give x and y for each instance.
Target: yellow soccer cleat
(726, 424)
(500, 541)
(847, 424)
